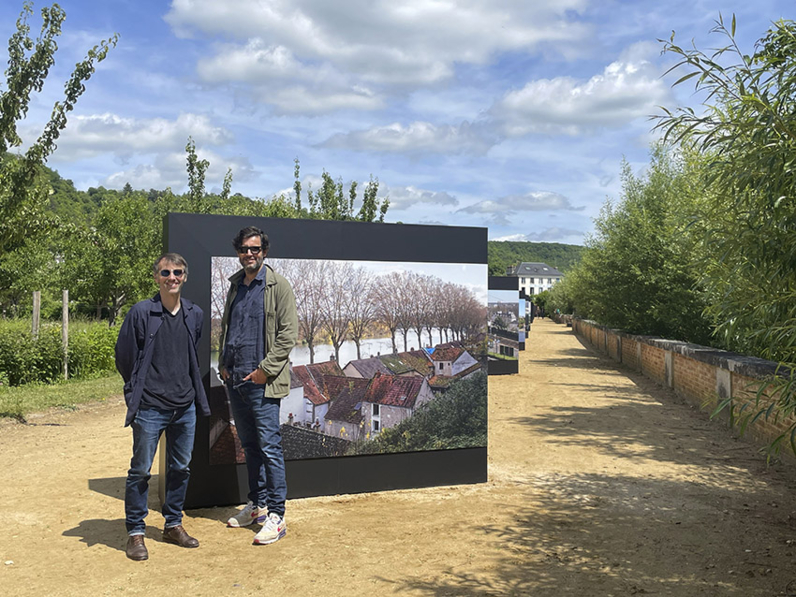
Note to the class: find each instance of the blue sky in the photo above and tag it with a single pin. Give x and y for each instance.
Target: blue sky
(507, 114)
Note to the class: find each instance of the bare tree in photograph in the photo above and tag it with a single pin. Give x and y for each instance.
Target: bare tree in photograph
(387, 292)
(306, 276)
(335, 303)
(447, 307)
(362, 305)
(473, 317)
(221, 269)
(418, 303)
(403, 303)
(459, 313)
(434, 310)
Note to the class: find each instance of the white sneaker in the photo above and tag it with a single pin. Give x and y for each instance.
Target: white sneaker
(247, 516)
(273, 530)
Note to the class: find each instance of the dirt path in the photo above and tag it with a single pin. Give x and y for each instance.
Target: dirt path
(600, 484)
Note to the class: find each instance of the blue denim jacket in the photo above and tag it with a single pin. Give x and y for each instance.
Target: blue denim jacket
(135, 346)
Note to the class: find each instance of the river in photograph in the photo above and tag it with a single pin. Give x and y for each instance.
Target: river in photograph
(348, 351)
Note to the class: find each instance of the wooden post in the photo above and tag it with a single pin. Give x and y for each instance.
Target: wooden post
(65, 331)
(36, 313)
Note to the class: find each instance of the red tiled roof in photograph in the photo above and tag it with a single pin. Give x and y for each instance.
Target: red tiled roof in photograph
(324, 368)
(392, 390)
(227, 448)
(311, 391)
(335, 385)
(449, 353)
(347, 394)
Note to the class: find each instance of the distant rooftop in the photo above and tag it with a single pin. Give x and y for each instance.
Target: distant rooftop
(533, 269)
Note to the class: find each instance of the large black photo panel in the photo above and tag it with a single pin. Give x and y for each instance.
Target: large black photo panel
(389, 376)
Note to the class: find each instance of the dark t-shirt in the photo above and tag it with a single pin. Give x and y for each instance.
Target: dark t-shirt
(168, 383)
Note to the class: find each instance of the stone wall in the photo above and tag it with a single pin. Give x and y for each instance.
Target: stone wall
(703, 376)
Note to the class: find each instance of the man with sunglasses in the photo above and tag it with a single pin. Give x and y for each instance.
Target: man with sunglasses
(259, 328)
(156, 356)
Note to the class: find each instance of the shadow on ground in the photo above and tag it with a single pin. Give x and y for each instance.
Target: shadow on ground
(604, 535)
(110, 486)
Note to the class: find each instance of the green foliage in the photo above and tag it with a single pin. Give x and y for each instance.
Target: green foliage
(456, 419)
(91, 350)
(561, 297)
(196, 176)
(23, 190)
(541, 299)
(747, 136)
(502, 254)
(638, 271)
(110, 264)
(26, 360)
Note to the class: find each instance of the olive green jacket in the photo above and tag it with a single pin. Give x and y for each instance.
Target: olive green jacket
(280, 329)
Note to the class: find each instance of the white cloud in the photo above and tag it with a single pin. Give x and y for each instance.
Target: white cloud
(300, 99)
(369, 43)
(253, 62)
(423, 137)
(533, 201)
(549, 235)
(402, 198)
(89, 136)
(627, 89)
(168, 169)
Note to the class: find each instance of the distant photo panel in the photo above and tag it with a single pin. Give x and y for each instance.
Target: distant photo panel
(505, 322)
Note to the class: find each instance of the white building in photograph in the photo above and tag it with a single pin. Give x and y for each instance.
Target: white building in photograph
(535, 277)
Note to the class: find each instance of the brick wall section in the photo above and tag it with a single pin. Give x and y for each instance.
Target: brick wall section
(652, 363)
(695, 381)
(744, 390)
(629, 348)
(696, 372)
(613, 347)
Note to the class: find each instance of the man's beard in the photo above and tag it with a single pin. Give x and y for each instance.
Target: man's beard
(254, 266)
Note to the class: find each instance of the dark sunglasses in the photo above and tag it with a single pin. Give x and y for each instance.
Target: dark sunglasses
(252, 250)
(167, 272)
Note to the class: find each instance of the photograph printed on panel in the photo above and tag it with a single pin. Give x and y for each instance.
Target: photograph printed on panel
(505, 321)
(391, 357)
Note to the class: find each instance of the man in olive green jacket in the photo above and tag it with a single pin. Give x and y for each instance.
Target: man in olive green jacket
(259, 328)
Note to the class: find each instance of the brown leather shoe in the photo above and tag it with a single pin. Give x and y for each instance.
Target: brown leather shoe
(178, 536)
(136, 550)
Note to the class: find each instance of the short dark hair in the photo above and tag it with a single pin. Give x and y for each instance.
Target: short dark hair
(175, 258)
(247, 233)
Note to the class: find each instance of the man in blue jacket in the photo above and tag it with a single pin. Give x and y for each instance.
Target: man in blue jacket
(156, 356)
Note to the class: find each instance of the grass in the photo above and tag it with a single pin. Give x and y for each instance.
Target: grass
(502, 357)
(20, 401)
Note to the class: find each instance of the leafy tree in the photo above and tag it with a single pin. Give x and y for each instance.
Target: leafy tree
(540, 300)
(637, 272)
(110, 265)
(560, 296)
(23, 191)
(505, 253)
(196, 177)
(747, 135)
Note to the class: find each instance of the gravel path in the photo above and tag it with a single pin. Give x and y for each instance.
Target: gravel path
(600, 484)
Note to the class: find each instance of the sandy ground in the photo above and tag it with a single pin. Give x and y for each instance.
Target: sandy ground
(600, 483)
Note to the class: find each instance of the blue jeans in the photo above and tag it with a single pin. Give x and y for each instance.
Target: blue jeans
(257, 422)
(149, 423)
